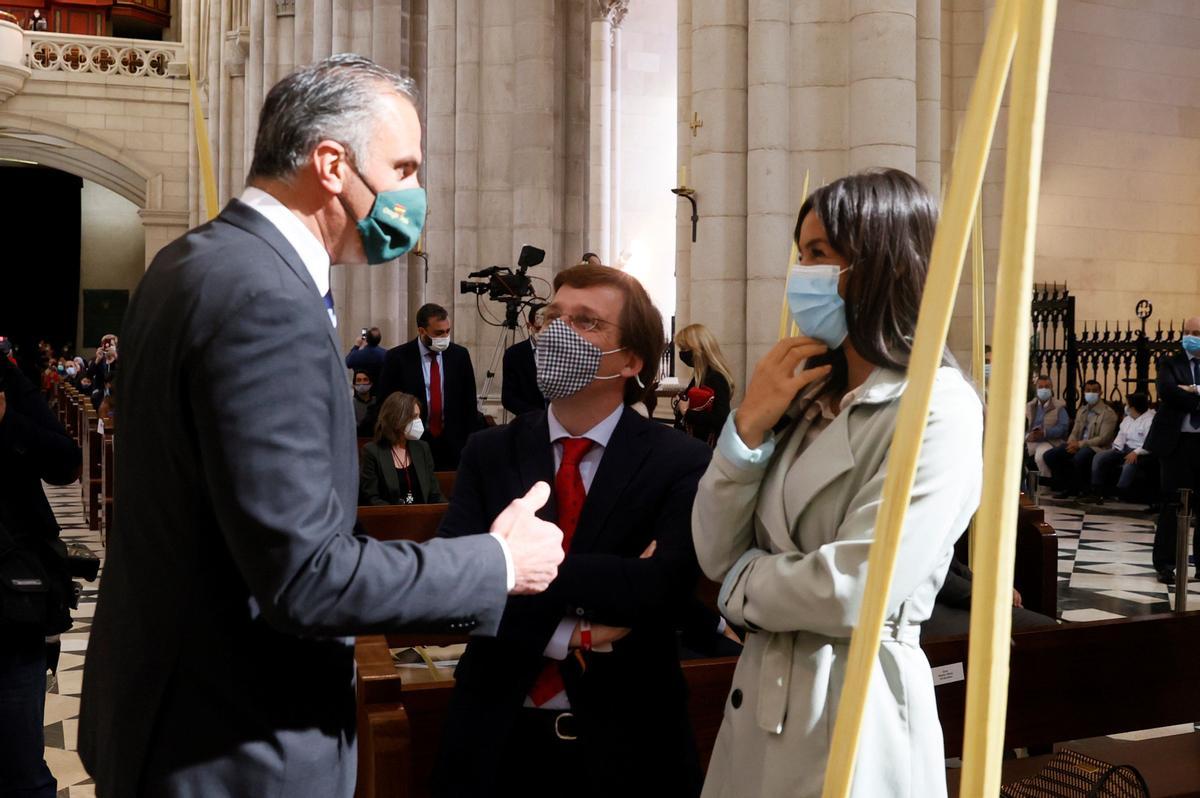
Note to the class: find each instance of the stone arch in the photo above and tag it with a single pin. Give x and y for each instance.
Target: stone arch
(80, 153)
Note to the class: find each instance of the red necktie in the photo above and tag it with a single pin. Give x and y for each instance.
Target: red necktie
(569, 495)
(435, 396)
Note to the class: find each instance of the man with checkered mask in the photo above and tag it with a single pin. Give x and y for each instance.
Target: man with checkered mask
(589, 672)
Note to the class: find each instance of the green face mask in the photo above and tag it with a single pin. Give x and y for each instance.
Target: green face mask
(394, 224)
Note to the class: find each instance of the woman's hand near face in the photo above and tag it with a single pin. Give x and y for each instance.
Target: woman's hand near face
(775, 384)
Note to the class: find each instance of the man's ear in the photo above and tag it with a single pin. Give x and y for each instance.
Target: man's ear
(633, 365)
(330, 162)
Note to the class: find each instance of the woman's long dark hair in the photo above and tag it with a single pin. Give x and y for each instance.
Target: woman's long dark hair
(882, 222)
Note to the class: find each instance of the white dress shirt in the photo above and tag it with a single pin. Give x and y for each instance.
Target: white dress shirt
(308, 246)
(560, 643)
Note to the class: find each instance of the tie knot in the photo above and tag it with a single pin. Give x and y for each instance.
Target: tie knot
(574, 449)
(433, 355)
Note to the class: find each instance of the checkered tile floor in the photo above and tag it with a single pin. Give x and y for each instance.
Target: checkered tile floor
(62, 702)
(1104, 561)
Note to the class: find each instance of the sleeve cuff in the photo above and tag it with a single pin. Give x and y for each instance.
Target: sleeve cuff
(731, 581)
(560, 643)
(510, 570)
(738, 453)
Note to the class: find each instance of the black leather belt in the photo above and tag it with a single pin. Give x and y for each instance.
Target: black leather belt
(562, 725)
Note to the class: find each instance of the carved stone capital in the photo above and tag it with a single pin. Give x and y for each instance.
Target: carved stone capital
(613, 11)
(285, 8)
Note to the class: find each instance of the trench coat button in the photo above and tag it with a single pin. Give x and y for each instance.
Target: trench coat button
(735, 698)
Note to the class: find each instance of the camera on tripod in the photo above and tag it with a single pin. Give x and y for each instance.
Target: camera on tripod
(502, 283)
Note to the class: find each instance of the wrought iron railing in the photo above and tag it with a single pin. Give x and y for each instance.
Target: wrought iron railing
(1121, 360)
(60, 52)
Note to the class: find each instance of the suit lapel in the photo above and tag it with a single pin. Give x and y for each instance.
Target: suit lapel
(622, 459)
(535, 459)
(242, 215)
(391, 476)
(414, 375)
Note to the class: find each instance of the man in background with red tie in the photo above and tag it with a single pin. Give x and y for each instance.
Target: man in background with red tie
(581, 689)
(440, 375)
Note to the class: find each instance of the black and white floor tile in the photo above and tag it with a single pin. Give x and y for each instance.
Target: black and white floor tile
(1104, 562)
(62, 700)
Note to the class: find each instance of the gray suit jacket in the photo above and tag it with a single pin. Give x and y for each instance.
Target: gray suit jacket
(218, 663)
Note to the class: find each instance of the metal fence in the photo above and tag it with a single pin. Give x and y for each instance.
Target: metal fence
(1121, 360)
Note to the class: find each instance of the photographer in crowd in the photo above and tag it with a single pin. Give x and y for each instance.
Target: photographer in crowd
(35, 588)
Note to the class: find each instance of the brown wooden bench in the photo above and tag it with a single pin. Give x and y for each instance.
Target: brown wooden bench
(1081, 681)
(416, 522)
(108, 479)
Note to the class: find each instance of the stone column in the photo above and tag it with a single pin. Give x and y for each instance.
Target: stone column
(473, 172)
(883, 78)
(820, 99)
(533, 116)
(683, 136)
(929, 93)
(718, 264)
(440, 160)
(600, 142)
(616, 243)
(285, 38)
(769, 203)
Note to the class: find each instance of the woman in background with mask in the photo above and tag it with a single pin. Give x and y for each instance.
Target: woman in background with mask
(786, 512)
(363, 397)
(702, 407)
(397, 468)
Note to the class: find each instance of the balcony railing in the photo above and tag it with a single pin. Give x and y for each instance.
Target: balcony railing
(61, 52)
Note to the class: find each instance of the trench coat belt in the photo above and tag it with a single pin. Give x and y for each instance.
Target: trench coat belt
(775, 673)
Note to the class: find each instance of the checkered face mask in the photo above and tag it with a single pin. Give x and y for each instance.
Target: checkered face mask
(566, 361)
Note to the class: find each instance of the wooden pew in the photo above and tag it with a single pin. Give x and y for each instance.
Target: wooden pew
(1035, 573)
(446, 482)
(108, 478)
(406, 706)
(416, 522)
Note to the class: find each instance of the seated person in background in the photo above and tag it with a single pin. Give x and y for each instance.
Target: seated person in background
(363, 397)
(702, 407)
(397, 468)
(952, 608)
(1094, 430)
(1047, 422)
(581, 689)
(519, 392)
(1127, 450)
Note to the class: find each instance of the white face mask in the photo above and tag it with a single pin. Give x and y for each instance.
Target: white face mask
(439, 344)
(414, 430)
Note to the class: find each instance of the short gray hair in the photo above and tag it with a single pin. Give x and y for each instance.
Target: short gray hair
(332, 99)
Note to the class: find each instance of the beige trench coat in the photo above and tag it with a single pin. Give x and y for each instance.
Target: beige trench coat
(788, 539)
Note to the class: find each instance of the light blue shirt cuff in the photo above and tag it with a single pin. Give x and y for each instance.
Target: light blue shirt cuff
(730, 446)
(560, 644)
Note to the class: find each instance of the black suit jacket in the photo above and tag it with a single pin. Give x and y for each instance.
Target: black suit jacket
(402, 371)
(1174, 403)
(236, 494)
(379, 481)
(631, 703)
(520, 392)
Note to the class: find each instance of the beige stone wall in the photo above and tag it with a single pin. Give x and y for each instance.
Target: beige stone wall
(1120, 208)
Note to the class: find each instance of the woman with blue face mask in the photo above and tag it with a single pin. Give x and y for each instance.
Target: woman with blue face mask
(786, 512)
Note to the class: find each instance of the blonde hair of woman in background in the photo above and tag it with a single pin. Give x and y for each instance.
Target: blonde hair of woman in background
(706, 353)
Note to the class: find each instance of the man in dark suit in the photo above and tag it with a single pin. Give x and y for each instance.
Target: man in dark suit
(440, 375)
(1175, 439)
(520, 392)
(581, 689)
(219, 663)
(367, 355)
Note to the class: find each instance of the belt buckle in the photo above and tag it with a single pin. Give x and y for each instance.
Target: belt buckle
(558, 728)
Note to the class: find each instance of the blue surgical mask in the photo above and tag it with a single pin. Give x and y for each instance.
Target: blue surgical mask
(1043, 394)
(1191, 344)
(1091, 398)
(815, 305)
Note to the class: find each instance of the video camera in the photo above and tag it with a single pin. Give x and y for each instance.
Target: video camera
(503, 284)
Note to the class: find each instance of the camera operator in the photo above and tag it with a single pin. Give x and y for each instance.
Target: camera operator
(520, 392)
(35, 588)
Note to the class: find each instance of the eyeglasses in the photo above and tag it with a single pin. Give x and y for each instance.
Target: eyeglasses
(579, 322)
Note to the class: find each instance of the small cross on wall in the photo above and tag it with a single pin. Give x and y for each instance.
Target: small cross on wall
(696, 123)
